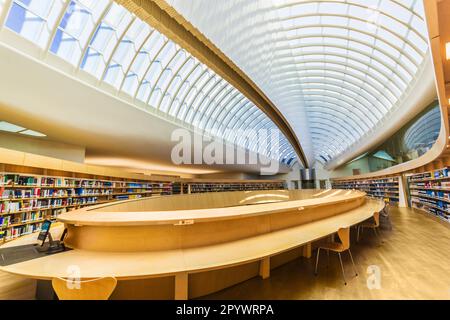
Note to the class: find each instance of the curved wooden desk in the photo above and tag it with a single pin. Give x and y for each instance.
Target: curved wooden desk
(210, 263)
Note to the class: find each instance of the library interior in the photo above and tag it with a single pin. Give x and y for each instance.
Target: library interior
(231, 150)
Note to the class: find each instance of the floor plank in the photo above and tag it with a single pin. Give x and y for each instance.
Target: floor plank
(413, 260)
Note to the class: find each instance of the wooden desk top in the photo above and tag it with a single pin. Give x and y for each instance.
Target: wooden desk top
(90, 217)
(138, 265)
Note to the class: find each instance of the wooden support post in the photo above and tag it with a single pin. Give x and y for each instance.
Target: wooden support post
(264, 268)
(307, 250)
(181, 286)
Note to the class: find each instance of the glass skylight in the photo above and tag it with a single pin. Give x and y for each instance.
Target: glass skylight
(342, 65)
(103, 40)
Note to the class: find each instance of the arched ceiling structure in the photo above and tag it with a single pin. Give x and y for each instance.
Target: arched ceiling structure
(102, 43)
(339, 70)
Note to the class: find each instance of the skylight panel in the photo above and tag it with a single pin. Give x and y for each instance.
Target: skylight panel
(390, 50)
(419, 26)
(392, 24)
(333, 8)
(396, 10)
(419, 9)
(334, 20)
(366, 13)
(6, 126)
(96, 7)
(389, 37)
(361, 37)
(305, 21)
(416, 57)
(334, 41)
(302, 8)
(418, 42)
(34, 19)
(332, 31)
(411, 67)
(33, 133)
(73, 32)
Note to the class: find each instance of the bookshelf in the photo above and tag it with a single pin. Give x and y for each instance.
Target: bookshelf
(34, 188)
(26, 200)
(383, 188)
(227, 186)
(430, 192)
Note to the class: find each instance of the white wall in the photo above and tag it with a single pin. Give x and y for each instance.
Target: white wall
(293, 175)
(322, 174)
(42, 146)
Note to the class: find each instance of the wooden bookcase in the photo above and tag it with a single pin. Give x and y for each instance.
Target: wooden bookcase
(34, 188)
(224, 186)
(27, 199)
(430, 192)
(384, 188)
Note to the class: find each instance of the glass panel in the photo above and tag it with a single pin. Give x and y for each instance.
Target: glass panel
(34, 19)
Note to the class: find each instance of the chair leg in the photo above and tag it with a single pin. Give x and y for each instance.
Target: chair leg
(342, 267)
(378, 235)
(357, 234)
(328, 258)
(353, 262)
(317, 261)
(360, 232)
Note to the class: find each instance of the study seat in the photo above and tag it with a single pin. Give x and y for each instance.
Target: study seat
(385, 218)
(373, 223)
(97, 289)
(338, 247)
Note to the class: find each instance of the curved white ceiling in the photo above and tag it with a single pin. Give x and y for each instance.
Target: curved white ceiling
(336, 69)
(101, 42)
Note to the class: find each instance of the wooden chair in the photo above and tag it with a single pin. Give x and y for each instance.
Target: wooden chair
(338, 247)
(373, 223)
(97, 289)
(385, 218)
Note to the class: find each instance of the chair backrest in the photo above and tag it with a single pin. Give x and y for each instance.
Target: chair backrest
(344, 236)
(376, 217)
(97, 289)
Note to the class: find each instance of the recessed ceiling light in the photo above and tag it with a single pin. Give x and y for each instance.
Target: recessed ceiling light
(9, 127)
(6, 126)
(33, 133)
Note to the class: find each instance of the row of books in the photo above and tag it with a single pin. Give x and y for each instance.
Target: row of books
(29, 180)
(35, 204)
(436, 174)
(431, 184)
(432, 193)
(213, 187)
(426, 193)
(25, 217)
(443, 215)
(383, 188)
(439, 204)
(52, 193)
(48, 193)
(15, 232)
